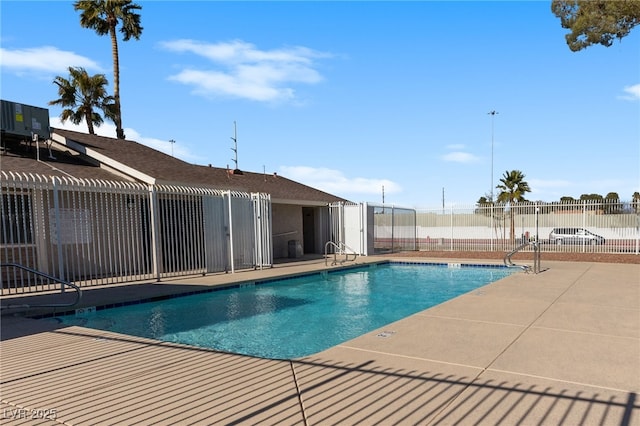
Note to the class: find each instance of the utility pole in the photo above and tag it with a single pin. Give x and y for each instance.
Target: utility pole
(492, 114)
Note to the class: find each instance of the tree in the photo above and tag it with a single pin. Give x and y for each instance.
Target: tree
(596, 21)
(591, 197)
(592, 202)
(82, 96)
(612, 203)
(482, 201)
(483, 205)
(512, 191)
(103, 16)
(635, 202)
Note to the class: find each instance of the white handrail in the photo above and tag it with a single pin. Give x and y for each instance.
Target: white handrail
(340, 248)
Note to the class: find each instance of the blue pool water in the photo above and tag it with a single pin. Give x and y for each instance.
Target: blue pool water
(294, 317)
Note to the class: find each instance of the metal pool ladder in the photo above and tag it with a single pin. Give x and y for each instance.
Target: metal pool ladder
(50, 277)
(536, 257)
(339, 248)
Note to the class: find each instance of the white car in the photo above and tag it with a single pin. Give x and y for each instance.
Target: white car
(574, 236)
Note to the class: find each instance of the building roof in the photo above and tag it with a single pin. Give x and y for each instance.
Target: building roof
(23, 157)
(148, 165)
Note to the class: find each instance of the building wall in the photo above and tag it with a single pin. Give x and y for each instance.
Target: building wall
(287, 226)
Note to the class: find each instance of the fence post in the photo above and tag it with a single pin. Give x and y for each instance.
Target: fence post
(584, 222)
(155, 230)
(56, 212)
(257, 231)
(638, 234)
(493, 225)
(392, 228)
(415, 230)
(341, 225)
(230, 212)
(537, 211)
(451, 226)
(362, 225)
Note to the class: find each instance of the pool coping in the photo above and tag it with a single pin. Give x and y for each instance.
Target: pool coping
(239, 284)
(67, 317)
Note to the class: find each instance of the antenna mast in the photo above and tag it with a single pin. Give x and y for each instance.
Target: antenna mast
(235, 148)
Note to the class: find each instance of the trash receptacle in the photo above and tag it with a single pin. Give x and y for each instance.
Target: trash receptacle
(292, 249)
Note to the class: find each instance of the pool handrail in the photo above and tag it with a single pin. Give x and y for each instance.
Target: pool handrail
(49, 277)
(339, 248)
(536, 257)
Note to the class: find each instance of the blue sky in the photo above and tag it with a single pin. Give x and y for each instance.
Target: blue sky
(356, 98)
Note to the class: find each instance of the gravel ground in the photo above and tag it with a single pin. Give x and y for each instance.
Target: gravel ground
(526, 256)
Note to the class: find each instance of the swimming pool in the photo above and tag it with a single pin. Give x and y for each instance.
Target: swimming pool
(294, 317)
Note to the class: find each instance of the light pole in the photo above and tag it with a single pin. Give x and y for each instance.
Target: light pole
(172, 142)
(492, 114)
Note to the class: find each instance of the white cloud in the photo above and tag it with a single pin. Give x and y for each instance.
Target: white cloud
(456, 146)
(210, 83)
(246, 72)
(632, 93)
(460, 157)
(458, 154)
(45, 59)
(238, 52)
(106, 129)
(335, 182)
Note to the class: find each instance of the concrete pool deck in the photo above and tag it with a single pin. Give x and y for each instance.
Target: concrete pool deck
(559, 347)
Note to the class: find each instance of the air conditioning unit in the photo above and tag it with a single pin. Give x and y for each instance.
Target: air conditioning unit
(24, 120)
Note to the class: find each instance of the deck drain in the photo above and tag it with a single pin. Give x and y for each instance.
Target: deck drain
(386, 334)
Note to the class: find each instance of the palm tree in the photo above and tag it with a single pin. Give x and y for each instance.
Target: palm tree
(82, 96)
(103, 16)
(512, 190)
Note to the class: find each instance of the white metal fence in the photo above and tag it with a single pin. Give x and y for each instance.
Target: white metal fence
(376, 228)
(97, 232)
(502, 227)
